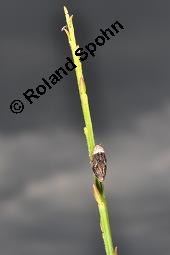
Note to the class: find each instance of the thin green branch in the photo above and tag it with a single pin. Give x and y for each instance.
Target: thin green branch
(98, 187)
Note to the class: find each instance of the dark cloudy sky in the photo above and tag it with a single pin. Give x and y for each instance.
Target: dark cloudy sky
(46, 202)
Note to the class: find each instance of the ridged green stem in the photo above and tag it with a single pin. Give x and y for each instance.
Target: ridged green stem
(98, 188)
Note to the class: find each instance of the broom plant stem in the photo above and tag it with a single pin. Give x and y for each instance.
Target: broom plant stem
(98, 188)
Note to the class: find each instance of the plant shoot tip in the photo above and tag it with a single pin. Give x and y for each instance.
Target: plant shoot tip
(65, 9)
(64, 28)
(116, 252)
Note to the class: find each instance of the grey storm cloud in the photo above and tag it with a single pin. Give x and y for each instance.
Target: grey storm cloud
(47, 195)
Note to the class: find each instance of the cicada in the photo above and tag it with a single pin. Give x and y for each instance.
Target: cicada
(98, 163)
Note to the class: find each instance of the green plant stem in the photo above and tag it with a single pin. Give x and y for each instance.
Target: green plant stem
(98, 188)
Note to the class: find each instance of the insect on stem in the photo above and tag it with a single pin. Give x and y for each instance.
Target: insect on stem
(98, 163)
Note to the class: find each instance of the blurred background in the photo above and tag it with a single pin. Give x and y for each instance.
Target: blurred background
(46, 201)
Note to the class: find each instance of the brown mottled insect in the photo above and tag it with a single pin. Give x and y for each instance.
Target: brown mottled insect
(98, 163)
